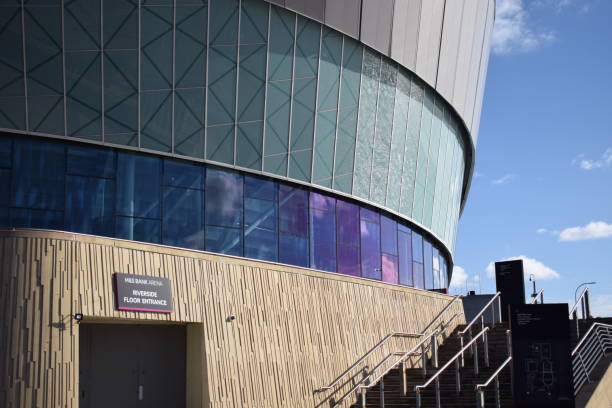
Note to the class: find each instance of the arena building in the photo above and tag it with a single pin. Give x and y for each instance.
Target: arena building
(290, 173)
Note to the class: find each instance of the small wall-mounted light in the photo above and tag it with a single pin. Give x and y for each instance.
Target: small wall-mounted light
(230, 318)
(78, 317)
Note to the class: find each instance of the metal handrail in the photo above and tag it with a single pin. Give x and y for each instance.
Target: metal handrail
(585, 293)
(485, 307)
(455, 359)
(381, 343)
(595, 345)
(534, 297)
(495, 376)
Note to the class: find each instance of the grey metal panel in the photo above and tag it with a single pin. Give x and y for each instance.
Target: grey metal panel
(482, 76)
(279, 2)
(405, 35)
(430, 30)
(471, 83)
(464, 60)
(376, 24)
(314, 9)
(344, 16)
(449, 48)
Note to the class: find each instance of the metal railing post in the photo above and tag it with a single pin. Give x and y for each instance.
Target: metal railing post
(476, 359)
(583, 307)
(363, 398)
(486, 349)
(497, 396)
(438, 392)
(457, 377)
(480, 401)
(434, 351)
(462, 357)
(404, 379)
(418, 398)
(382, 394)
(424, 360)
(499, 311)
(586, 303)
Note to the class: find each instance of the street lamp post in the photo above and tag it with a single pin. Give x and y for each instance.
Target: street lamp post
(585, 305)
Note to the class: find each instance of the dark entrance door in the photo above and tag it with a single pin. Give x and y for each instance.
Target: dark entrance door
(132, 366)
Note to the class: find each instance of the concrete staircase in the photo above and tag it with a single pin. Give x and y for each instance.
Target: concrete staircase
(392, 383)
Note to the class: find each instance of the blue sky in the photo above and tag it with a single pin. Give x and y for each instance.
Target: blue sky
(543, 178)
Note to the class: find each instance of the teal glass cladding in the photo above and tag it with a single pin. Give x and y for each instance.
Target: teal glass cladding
(239, 83)
(112, 192)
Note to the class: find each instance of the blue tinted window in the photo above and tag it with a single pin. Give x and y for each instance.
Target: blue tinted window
(417, 247)
(388, 236)
(404, 243)
(4, 217)
(323, 240)
(293, 250)
(428, 265)
(90, 204)
(223, 198)
(370, 244)
(5, 186)
(293, 210)
(259, 214)
(260, 244)
(38, 175)
(24, 218)
(5, 152)
(259, 188)
(183, 224)
(89, 161)
(418, 275)
(224, 240)
(138, 185)
(138, 229)
(183, 175)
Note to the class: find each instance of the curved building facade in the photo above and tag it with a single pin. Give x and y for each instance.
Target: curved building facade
(334, 135)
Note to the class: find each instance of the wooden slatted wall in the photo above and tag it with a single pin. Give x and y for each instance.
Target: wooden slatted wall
(295, 330)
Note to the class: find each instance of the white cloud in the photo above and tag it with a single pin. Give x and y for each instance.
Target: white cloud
(512, 33)
(530, 266)
(593, 230)
(504, 179)
(590, 164)
(541, 230)
(459, 278)
(601, 306)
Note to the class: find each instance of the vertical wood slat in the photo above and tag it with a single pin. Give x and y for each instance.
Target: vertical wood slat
(295, 330)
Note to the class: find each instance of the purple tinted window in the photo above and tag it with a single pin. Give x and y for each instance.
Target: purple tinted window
(436, 269)
(370, 250)
(223, 198)
(418, 275)
(428, 264)
(370, 215)
(323, 240)
(348, 260)
(404, 242)
(322, 202)
(347, 216)
(390, 268)
(293, 250)
(388, 235)
(417, 247)
(293, 210)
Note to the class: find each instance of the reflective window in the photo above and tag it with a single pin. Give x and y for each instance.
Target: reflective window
(5, 187)
(90, 205)
(31, 218)
(404, 243)
(347, 216)
(224, 209)
(428, 265)
(5, 152)
(138, 229)
(322, 232)
(38, 175)
(370, 244)
(390, 261)
(293, 225)
(91, 161)
(138, 185)
(183, 224)
(260, 219)
(185, 175)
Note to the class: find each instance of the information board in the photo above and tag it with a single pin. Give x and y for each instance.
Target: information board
(143, 293)
(510, 281)
(541, 360)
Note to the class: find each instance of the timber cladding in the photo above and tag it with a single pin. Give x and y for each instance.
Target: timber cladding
(295, 329)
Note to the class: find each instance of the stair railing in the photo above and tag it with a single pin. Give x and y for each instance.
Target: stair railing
(595, 344)
(456, 359)
(403, 355)
(582, 303)
(534, 297)
(480, 317)
(480, 396)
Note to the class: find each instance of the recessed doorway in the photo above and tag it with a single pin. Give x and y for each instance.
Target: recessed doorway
(132, 366)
